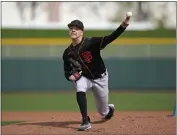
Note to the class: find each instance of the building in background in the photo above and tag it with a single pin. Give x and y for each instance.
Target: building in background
(95, 15)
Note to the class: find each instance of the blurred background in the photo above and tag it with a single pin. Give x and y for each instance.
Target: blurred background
(95, 15)
(35, 34)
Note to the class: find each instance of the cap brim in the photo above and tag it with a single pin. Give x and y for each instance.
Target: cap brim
(71, 25)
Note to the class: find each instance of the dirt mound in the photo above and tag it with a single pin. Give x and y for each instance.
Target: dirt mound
(66, 123)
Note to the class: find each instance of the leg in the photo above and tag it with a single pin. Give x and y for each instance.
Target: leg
(103, 108)
(101, 103)
(101, 94)
(82, 85)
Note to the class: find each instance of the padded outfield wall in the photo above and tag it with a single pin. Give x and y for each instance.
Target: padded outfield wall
(31, 60)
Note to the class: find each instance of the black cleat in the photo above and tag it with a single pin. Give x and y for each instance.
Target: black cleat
(111, 112)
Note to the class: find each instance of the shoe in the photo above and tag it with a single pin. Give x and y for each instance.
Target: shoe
(111, 111)
(84, 126)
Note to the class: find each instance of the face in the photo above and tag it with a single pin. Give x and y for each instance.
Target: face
(75, 32)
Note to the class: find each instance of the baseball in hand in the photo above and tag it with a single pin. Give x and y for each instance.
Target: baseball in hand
(129, 14)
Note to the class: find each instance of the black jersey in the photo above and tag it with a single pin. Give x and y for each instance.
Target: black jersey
(87, 53)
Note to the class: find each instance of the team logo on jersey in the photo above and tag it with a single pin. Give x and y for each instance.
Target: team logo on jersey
(87, 56)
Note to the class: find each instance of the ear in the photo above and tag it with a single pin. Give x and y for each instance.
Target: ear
(69, 32)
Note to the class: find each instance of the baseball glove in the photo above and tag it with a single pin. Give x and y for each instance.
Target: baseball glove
(76, 68)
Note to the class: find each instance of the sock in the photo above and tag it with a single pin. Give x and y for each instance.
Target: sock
(82, 102)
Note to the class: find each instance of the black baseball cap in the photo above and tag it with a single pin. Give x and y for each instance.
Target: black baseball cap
(76, 23)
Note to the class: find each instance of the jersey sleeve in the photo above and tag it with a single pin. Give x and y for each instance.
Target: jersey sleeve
(109, 38)
(102, 42)
(96, 41)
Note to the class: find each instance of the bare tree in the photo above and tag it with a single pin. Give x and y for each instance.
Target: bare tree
(34, 5)
(141, 14)
(21, 7)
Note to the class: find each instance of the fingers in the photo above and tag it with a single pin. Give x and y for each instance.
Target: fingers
(72, 78)
(126, 22)
(128, 16)
(75, 76)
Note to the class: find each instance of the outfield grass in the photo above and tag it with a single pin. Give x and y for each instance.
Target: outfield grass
(59, 101)
(5, 123)
(26, 33)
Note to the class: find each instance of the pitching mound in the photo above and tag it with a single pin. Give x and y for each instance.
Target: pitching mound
(66, 123)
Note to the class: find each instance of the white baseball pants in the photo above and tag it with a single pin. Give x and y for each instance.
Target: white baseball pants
(100, 91)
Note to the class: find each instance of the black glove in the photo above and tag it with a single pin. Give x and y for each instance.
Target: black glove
(76, 69)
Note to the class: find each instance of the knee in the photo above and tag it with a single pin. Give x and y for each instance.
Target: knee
(81, 90)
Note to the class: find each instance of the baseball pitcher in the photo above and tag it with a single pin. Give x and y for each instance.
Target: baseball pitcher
(84, 66)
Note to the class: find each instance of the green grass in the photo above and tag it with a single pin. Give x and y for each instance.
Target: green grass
(22, 33)
(59, 101)
(5, 123)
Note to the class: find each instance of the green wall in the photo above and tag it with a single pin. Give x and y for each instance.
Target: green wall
(51, 33)
(47, 74)
(134, 67)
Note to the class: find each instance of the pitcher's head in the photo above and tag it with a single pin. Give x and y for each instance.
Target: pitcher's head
(76, 29)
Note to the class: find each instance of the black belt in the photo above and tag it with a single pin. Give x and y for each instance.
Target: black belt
(95, 76)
